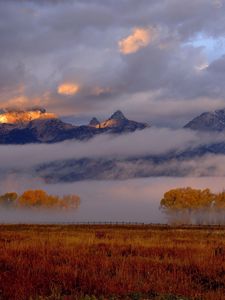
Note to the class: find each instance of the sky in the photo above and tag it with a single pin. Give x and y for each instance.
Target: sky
(159, 61)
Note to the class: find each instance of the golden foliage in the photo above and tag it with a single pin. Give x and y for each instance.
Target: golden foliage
(220, 200)
(188, 198)
(39, 199)
(187, 205)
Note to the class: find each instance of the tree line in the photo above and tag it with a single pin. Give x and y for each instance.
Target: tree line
(39, 199)
(184, 204)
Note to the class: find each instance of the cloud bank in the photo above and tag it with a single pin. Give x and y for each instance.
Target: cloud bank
(152, 141)
(115, 157)
(135, 200)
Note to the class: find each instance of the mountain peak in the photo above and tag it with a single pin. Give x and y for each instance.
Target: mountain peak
(208, 121)
(15, 115)
(94, 122)
(118, 115)
(35, 125)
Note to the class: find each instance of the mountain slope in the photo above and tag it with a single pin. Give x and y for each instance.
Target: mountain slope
(189, 162)
(208, 121)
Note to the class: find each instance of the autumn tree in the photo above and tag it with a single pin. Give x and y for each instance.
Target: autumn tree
(181, 203)
(187, 198)
(39, 199)
(219, 201)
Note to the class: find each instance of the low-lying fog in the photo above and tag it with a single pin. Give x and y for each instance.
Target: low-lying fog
(135, 200)
(150, 141)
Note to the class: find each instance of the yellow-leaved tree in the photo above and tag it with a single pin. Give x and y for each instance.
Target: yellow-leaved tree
(182, 203)
(39, 199)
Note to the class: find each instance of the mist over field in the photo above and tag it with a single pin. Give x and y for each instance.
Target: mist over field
(134, 200)
(130, 200)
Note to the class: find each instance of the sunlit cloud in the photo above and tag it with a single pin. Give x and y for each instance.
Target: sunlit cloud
(139, 38)
(99, 91)
(68, 89)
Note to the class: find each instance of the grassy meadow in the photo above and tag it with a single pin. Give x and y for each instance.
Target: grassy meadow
(92, 262)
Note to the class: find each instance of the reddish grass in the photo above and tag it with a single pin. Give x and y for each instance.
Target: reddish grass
(111, 262)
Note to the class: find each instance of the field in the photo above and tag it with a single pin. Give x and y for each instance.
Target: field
(111, 262)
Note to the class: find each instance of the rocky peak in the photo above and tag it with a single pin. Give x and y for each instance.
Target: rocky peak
(94, 122)
(37, 126)
(118, 123)
(118, 115)
(208, 121)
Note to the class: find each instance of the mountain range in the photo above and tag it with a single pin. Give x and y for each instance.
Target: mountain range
(35, 125)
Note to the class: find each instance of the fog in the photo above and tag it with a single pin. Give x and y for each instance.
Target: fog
(135, 200)
(150, 141)
(129, 200)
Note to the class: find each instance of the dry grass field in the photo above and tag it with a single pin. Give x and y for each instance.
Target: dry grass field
(90, 262)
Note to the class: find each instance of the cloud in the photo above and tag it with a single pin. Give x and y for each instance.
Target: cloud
(107, 157)
(148, 141)
(218, 3)
(151, 108)
(152, 141)
(68, 89)
(44, 43)
(139, 38)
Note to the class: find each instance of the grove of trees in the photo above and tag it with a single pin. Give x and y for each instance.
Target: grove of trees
(39, 199)
(186, 205)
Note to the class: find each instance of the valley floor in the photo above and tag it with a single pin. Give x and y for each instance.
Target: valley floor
(111, 262)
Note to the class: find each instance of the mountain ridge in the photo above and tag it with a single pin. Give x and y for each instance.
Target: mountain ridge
(38, 126)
